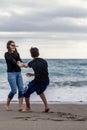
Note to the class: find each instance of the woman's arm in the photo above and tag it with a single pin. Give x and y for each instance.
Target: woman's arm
(21, 64)
(10, 59)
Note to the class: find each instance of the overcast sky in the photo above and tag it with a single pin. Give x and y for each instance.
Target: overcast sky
(57, 27)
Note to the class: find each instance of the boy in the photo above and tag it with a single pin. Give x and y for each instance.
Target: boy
(40, 81)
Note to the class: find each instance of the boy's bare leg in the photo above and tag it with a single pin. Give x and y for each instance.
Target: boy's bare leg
(28, 108)
(45, 102)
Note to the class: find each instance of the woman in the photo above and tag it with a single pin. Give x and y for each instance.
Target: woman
(12, 58)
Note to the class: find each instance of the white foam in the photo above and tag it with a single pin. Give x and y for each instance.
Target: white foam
(55, 94)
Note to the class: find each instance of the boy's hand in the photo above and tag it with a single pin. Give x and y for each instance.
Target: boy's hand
(29, 74)
(25, 65)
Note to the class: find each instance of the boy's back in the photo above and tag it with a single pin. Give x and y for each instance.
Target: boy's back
(40, 68)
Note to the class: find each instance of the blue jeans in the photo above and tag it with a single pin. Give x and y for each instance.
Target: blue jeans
(15, 80)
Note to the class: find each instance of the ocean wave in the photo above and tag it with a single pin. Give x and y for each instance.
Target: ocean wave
(68, 83)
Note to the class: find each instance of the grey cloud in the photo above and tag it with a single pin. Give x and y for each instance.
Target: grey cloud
(6, 4)
(43, 20)
(68, 12)
(47, 27)
(78, 12)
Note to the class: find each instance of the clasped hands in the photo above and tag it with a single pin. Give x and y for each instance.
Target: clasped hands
(21, 64)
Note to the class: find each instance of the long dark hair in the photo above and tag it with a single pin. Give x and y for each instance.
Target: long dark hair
(15, 53)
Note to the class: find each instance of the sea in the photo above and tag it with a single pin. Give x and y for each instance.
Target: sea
(68, 81)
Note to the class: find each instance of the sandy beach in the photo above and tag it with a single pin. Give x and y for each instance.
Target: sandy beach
(60, 117)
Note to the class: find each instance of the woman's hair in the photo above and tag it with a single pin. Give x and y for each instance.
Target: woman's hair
(9, 43)
(34, 52)
(15, 53)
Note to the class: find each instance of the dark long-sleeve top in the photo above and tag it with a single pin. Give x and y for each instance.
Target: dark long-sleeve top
(12, 62)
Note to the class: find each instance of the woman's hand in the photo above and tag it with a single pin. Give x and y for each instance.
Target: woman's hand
(20, 64)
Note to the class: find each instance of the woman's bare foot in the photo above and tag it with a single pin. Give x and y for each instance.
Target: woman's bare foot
(7, 108)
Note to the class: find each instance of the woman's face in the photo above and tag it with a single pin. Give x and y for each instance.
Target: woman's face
(12, 47)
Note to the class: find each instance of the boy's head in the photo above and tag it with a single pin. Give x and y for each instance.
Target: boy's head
(34, 52)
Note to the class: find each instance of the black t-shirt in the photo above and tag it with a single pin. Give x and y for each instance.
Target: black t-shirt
(12, 62)
(40, 68)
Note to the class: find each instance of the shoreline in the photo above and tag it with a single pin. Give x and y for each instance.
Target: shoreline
(50, 102)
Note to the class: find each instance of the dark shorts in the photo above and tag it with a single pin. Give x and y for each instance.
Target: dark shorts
(30, 88)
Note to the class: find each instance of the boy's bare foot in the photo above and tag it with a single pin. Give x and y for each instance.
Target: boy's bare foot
(47, 110)
(26, 110)
(20, 109)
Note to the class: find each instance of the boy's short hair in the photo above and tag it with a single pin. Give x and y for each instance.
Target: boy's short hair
(34, 52)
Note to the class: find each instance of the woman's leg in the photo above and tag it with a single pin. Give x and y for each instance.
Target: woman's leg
(20, 104)
(8, 104)
(12, 83)
(20, 89)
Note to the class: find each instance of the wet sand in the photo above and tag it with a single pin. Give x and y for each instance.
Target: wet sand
(60, 117)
